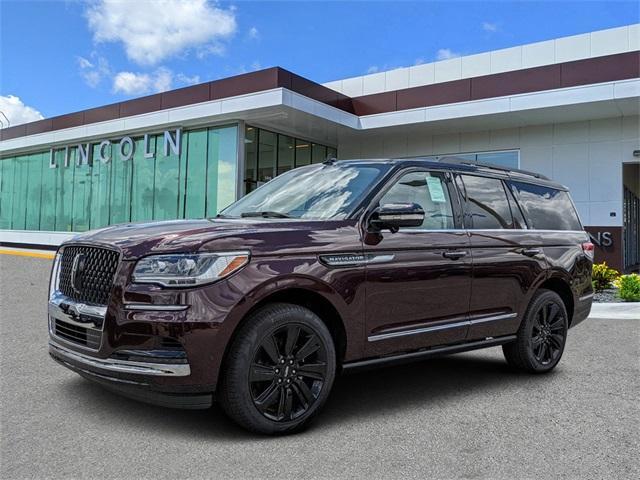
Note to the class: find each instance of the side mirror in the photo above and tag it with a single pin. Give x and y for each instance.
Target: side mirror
(392, 216)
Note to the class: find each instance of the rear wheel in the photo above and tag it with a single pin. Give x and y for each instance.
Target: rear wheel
(542, 335)
(279, 370)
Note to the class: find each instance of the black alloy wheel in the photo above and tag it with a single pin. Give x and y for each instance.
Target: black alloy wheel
(548, 333)
(279, 370)
(288, 372)
(542, 334)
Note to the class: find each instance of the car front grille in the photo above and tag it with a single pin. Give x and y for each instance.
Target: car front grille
(88, 337)
(94, 272)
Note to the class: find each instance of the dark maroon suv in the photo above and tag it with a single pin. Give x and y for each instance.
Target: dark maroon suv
(326, 268)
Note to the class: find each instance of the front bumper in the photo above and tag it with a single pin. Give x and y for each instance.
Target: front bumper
(105, 366)
(102, 371)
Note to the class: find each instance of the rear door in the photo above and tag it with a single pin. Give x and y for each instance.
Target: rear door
(418, 280)
(507, 256)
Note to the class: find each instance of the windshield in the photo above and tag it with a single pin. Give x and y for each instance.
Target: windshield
(317, 192)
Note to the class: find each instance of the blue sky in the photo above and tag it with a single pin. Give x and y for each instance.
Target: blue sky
(62, 56)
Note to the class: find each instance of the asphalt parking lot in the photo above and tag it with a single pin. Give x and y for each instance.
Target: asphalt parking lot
(466, 415)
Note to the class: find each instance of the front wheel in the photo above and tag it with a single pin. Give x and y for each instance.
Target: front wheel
(279, 370)
(542, 335)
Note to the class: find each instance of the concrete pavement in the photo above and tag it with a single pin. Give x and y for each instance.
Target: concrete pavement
(466, 415)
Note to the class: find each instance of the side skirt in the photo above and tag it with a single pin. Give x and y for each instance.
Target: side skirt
(423, 354)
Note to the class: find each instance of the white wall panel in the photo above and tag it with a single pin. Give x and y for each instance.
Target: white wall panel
(373, 83)
(607, 42)
(537, 159)
(419, 143)
(571, 168)
(397, 79)
(352, 87)
(605, 171)
(536, 136)
(634, 37)
(605, 129)
(600, 213)
(584, 212)
(447, 70)
(506, 59)
(505, 139)
(537, 54)
(475, 141)
(421, 75)
(394, 146)
(476, 65)
(573, 48)
(630, 127)
(447, 143)
(573, 132)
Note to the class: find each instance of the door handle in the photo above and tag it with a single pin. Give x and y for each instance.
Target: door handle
(454, 255)
(530, 252)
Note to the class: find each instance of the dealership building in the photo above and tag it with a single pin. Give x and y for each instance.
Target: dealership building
(567, 108)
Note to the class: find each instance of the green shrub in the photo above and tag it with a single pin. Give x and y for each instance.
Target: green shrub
(603, 276)
(629, 286)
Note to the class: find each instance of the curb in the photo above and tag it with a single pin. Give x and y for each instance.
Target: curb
(617, 311)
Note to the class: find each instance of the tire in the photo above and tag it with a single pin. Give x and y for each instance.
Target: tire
(542, 335)
(279, 370)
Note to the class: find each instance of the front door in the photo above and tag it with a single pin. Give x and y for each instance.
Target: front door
(418, 280)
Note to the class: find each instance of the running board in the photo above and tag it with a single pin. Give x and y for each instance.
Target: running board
(423, 354)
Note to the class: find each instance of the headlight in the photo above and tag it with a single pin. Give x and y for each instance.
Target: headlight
(184, 270)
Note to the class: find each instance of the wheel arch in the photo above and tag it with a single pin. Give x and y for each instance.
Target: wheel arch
(563, 289)
(303, 297)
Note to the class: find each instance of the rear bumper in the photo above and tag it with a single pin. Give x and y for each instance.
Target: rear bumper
(582, 309)
(109, 373)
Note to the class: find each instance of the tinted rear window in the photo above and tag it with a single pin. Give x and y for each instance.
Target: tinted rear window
(547, 208)
(486, 203)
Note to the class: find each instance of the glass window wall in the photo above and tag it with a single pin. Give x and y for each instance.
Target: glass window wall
(268, 154)
(198, 183)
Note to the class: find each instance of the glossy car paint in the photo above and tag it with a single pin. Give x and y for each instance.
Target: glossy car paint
(418, 288)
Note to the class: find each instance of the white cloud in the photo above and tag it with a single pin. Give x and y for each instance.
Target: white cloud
(93, 71)
(213, 49)
(446, 53)
(373, 69)
(419, 61)
(186, 80)
(16, 111)
(151, 31)
(131, 83)
(254, 34)
(161, 80)
(489, 27)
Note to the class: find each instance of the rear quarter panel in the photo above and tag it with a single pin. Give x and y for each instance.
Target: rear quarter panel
(568, 262)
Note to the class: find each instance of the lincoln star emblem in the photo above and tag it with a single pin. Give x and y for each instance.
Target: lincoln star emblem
(77, 272)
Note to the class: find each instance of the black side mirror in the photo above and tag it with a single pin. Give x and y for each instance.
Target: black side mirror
(392, 216)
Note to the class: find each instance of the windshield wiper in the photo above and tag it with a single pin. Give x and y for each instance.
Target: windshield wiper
(265, 214)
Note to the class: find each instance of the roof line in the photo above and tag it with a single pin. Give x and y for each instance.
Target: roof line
(561, 75)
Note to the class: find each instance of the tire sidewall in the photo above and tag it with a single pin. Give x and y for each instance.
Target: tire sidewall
(260, 325)
(541, 300)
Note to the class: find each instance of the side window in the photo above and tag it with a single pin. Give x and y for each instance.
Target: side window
(486, 203)
(547, 208)
(429, 190)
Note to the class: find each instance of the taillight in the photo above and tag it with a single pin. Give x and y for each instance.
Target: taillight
(588, 249)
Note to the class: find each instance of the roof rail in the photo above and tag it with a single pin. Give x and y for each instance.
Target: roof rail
(463, 161)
